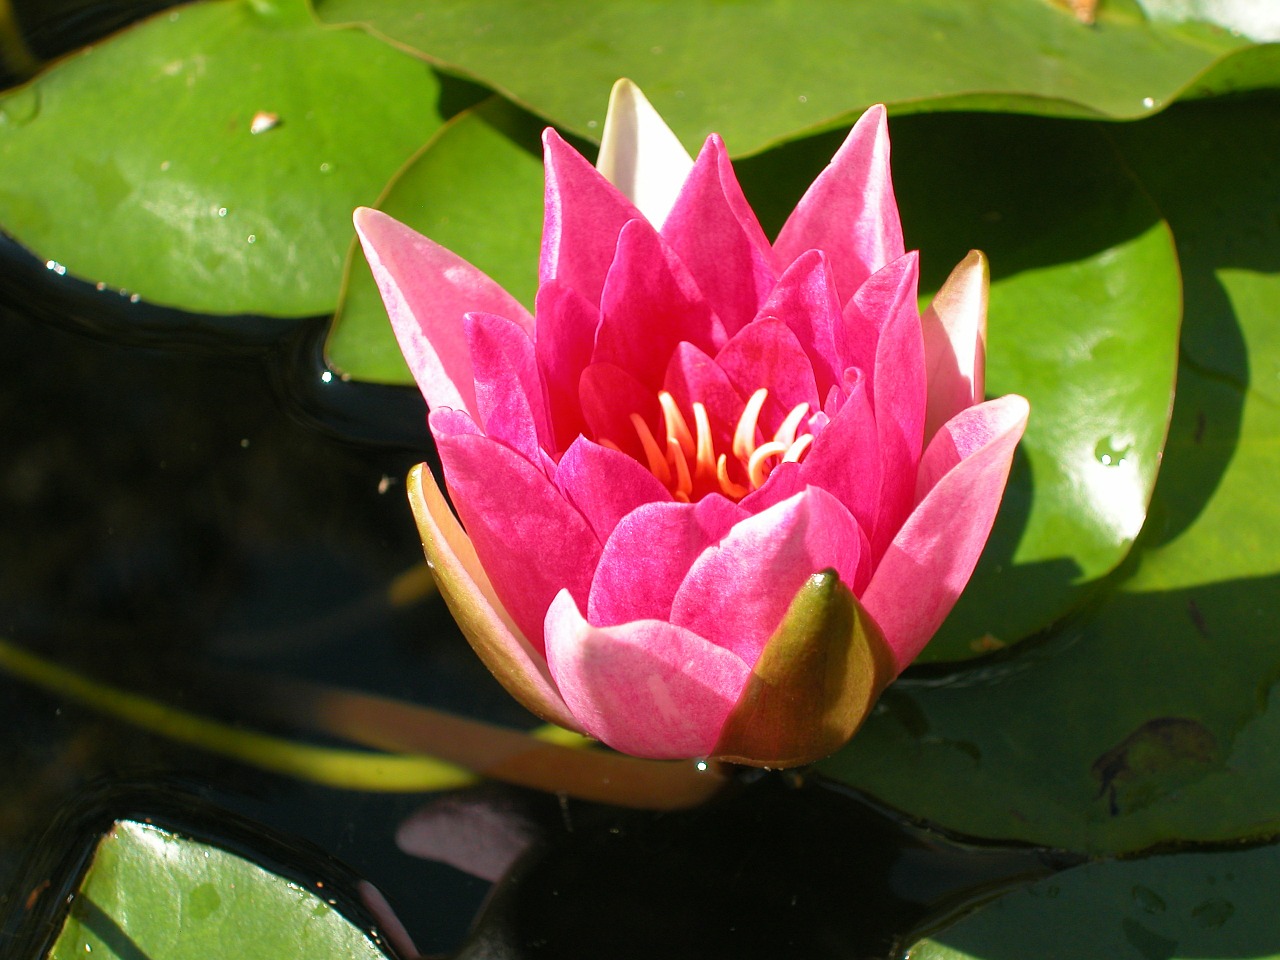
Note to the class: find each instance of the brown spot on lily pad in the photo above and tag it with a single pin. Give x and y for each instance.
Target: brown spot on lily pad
(1155, 759)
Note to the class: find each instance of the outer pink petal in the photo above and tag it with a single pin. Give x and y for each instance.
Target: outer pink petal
(650, 304)
(849, 211)
(845, 458)
(767, 354)
(805, 300)
(531, 540)
(470, 595)
(584, 214)
(737, 591)
(427, 291)
(605, 485)
(898, 397)
(647, 688)
(566, 335)
(649, 554)
(715, 233)
(508, 389)
(955, 342)
(931, 558)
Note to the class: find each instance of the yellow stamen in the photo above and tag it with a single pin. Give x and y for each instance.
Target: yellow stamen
(797, 449)
(705, 468)
(744, 437)
(675, 457)
(755, 466)
(730, 489)
(657, 463)
(677, 428)
(787, 432)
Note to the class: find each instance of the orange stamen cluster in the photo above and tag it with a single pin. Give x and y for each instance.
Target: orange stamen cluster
(685, 460)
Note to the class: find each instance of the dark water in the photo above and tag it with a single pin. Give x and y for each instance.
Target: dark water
(169, 515)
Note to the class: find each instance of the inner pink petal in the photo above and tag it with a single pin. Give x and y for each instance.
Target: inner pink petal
(805, 300)
(650, 304)
(583, 216)
(605, 485)
(608, 396)
(566, 333)
(647, 688)
(513, 512)
(845, 458)
(737, 591)
(715, 233)
(767, 354)
(694, 376)
(649, 553)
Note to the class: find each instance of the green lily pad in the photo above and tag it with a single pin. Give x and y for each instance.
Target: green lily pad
(1084, 316)
(1153, 718)
(135, 164)
(1177, 907)
(761, 73)
(476, 188)
(152, 893)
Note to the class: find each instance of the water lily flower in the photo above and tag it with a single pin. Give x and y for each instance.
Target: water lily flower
(715, 492)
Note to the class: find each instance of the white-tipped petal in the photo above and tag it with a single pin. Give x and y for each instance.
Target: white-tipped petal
(640, 155)
(955, 342)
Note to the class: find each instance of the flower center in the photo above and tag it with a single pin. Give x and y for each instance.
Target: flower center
(686, 462)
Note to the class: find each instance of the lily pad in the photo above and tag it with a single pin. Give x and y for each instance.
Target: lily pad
(155, 894)
(476, 187)
(209, 158)
(761, 73)
(1153, 718)
(1177, 907)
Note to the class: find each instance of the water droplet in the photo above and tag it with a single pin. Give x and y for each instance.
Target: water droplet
(56, 267)
(326, 377)
(263, 121)
(803, 98)
(135, 297)
(100, 286)
(593, 124)
(222, 211)
(253, 238)
(164, 165)
(1112, 451)
(701, 765)
(325, 168)
(1148, 102)
(1213, 913)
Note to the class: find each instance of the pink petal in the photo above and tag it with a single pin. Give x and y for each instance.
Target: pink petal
(955, 342)
(694, 376)
(715, 233)
(737, 591)
(640, 155)
(647, 688)
(650, 304)
(649, 553)
(566, 334)
(898, 393)
(849, 211)
(845, 458)
(427, 290)
(583, 216)
(805, 300)
(605, 485)
(508, 389)
(767, 354)
(608, 395)
(931, 558)
(471, 598)
(531, 540)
